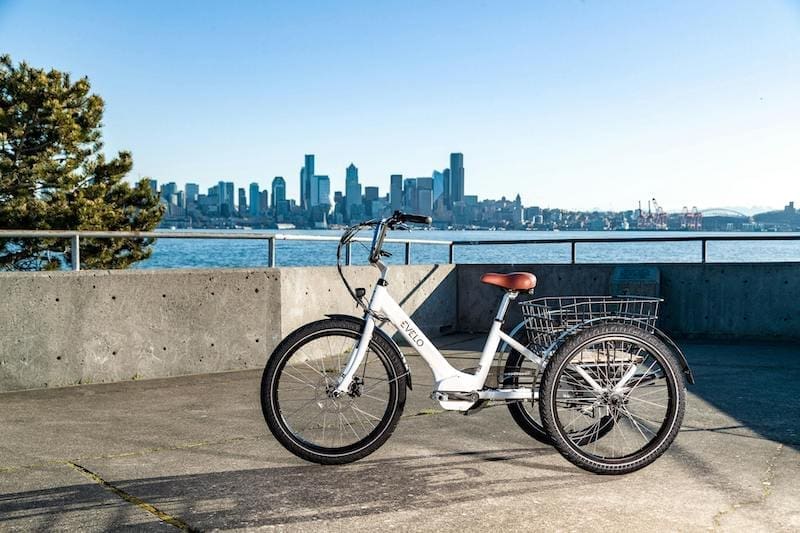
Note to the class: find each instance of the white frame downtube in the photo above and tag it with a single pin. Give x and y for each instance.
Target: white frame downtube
(446, 377)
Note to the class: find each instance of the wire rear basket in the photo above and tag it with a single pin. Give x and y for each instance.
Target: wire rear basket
(546, 319)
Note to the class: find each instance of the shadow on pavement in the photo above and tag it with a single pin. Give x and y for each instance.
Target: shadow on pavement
(756, 384)
(292, 494)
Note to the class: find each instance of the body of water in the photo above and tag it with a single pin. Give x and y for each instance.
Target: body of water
(216, 253)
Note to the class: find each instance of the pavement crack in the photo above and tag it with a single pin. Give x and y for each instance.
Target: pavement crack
(766, 490)
(130, 498)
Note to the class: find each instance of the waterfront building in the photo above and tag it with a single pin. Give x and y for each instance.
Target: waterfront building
(255, 200)
(396, 191)
(153, 185)
(456, 177)
(278, 191)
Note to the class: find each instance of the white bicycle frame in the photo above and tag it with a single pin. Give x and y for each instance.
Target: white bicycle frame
(455, 390)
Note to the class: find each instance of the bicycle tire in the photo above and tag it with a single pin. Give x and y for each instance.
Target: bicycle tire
(273, 396)
(553, 404)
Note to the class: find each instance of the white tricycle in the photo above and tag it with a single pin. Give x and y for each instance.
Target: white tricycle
(609, 385)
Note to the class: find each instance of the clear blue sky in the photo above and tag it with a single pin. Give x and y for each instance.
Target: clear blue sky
(571, 104)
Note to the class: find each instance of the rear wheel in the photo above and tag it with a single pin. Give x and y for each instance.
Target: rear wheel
(302, 413)
(612, 399)
(519, 371)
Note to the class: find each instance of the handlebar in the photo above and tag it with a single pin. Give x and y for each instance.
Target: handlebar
(390, 223)
(395, 221)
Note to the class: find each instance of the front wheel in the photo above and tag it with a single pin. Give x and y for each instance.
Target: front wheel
(309, 421)
(620, 385)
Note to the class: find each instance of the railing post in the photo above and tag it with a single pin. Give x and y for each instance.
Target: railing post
(451, 254)
(704, 244)
(271, 252)
(76, 252)
(408, 253)
(347, 257)
(572, 246)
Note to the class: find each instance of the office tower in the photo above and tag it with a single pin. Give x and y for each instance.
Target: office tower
(396, 194)
(225, 198)
(352, 191)
(255, 203)
(438, 185)
(371, 193)
(424, 196)
(263, 202)
(410, 195)
(192, 192)
(447, 188)
(456, 177)
(278, 191)
(153, 185)
(242, 201)
(168, 190)
(306, 178)
(323, 189)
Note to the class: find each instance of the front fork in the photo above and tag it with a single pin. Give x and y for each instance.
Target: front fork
(355, 359)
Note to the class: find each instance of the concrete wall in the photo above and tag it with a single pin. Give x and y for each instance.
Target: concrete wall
(67, 328)
(717, 301)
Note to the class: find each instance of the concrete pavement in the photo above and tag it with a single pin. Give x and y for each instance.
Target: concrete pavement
(194, 452)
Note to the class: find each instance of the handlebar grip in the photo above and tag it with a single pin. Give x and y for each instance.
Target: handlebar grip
(415, 219)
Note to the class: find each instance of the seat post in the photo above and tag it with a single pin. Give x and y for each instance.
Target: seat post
(508, 296)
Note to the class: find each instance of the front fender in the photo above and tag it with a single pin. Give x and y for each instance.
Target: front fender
(383, 335)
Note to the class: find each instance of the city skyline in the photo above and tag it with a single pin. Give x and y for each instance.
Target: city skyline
(584, 104)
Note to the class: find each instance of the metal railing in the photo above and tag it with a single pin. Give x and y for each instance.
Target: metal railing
(76, 236)
(271, 238)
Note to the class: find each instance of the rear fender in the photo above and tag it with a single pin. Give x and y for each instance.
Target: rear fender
(383, 335)
(657, 332)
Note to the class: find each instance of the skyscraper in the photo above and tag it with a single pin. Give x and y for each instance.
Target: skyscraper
(153, 185)
(167, 190)
(447, 189)
(225, 198)
(323, 190)
(424, 196)
(242, 201)
(438, 185)
(352, 191)
(457, 177)
(255, 201)
(192, 192)
(371, 193)
(396, 191)
(306, 177)
(278, 191)
(410, 195)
